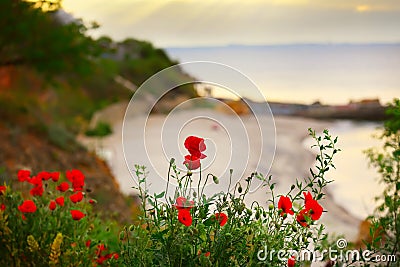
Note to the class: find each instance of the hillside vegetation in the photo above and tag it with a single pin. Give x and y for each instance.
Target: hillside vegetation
(53, 77)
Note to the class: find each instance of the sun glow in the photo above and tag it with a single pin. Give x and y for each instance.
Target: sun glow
(363, 8)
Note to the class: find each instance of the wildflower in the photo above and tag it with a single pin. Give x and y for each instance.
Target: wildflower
(55, 250)
(60, 201)
(23, 175)
(2, 189)
(55, 176)
(43, 176)
(77, 179)
(100, 248)
(192, 162)
(182, 203)
(52, 205)
(77, 215)
(184, 217)
(2, 207)
(312, 206)
(63, 187)
(207, 254)
(77, 197)
(28, 206)
(291, 261)
(285, 205)
(32, 243)
(301, 218)
(37, 190)
(101, 259)
(222, 218)
(195, 145)
(92, 201)
(87, 244)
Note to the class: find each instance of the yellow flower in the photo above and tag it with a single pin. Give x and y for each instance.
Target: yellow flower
(55, 249)
(32, 243)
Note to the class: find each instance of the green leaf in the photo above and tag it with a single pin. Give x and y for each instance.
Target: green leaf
(159, 195)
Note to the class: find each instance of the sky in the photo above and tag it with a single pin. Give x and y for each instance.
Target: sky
(188, 23)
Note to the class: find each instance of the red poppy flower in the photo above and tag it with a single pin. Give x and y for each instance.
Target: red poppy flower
(52, 205)
(37, 190)
(291, 261)
(28, 206)
(87, 244)
(77, 215)
(207, 254)
(182, 203)
(115, 256)
(100, 248)
(43, 175)
(192, 162)
(184, 217)
(312, 206)
(101, 259)
(35, 180)
(285, 205)
(77, 179)
(301, 218)
(2, 189)
(60, 201)
(2, 207)
(55, 176)
(77, 197)
(63, 187)
(195, 145)
(23, 175)
(222, 218)
(92, 201)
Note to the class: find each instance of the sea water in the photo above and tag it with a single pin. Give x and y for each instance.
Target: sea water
(332, 74)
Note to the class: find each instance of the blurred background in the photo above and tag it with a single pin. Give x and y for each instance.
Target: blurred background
(68, 69)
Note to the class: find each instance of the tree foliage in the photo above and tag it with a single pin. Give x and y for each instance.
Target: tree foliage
(31, 34)
(386, 229)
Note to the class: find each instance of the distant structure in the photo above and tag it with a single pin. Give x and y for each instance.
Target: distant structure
(207, 91)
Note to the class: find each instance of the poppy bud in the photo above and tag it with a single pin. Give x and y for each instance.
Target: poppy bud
(257, 215)
(189, 173)
(194, 194)
(224, 198)
(271, 206)
(249, 212)
(215, 179)
(121, 236)
(294, 228)
(292, 187)
(240, 189)
(309, 234)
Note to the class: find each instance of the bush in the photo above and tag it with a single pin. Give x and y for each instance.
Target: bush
(102, 129)
(192, 229)
(53, 224)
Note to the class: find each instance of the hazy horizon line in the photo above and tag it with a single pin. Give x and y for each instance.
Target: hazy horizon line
(397, 43)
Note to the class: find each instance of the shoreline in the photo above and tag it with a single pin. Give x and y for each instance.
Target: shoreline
(292, 160)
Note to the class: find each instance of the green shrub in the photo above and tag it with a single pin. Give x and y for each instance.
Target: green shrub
(102, 129)
(53, 225)
(192, 229)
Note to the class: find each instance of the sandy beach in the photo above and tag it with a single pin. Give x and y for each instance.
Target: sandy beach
(230, 144)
